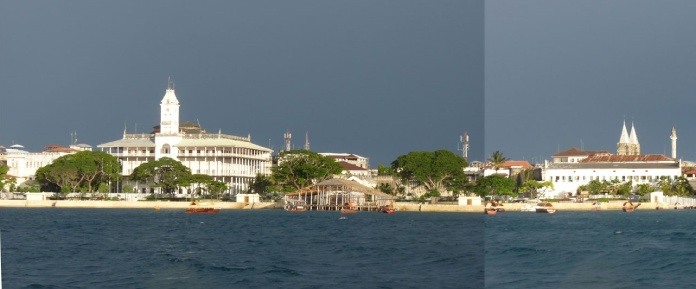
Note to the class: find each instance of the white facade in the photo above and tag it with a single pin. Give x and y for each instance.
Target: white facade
(231, 159)
(567, 177)
(248, 198)
(23, 164)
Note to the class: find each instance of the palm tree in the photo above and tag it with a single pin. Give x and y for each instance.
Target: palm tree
(497, 159)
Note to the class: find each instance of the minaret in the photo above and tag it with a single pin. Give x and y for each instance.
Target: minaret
(673, 137)
(306, 146)
(288, 138)
(169, 111)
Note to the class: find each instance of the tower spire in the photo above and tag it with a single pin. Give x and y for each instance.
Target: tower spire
(306, 146)
(673, 137)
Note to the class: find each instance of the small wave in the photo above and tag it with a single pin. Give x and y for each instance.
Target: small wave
(523, 249)
(282, 271)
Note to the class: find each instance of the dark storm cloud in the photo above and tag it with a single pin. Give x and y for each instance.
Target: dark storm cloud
(374, 78)
(562, 74)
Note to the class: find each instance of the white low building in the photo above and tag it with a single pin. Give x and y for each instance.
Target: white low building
(24, 164)
(233, 160)
(568, 176)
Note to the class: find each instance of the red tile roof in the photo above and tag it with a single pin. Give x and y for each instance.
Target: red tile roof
(351, 167)
(579, 152)
(524, 164)
(626, 159)
(61, 150)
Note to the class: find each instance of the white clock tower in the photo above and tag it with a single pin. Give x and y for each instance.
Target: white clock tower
(168, 135)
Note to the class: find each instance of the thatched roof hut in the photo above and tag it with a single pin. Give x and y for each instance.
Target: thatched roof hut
(333, 193)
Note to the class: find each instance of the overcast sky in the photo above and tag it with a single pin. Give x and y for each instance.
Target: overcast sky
(373, 78)
(562, 74)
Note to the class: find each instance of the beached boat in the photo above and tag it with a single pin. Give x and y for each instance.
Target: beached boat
(546, 208)
(528, 208)
(201, 208)
(349, 208)
(490, 211)
(490, 208)
(386, 209)
(628, 207)
(295, 206)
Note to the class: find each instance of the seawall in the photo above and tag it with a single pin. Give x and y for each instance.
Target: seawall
(400, 206)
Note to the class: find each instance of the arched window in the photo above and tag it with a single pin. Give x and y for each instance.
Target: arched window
(165, 149)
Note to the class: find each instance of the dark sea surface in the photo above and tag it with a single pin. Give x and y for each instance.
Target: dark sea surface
(610, 249)
(132, 248)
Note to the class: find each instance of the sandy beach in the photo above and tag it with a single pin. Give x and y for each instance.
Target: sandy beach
(400, 206)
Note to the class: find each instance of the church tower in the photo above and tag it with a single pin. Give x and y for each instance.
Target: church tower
(628, 144)
(634, 148)
(673, 137)
(169, 112)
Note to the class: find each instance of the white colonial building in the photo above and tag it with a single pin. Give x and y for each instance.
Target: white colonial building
(231, 159)
(23, 164)
(567, 177)
(573, 168)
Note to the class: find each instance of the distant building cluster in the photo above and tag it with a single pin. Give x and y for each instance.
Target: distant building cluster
(234, 160)
(574, 167)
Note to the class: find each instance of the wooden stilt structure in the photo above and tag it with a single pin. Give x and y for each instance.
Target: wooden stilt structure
(331, 195)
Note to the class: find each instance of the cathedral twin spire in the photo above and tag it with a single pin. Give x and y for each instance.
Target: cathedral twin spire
(628, 144)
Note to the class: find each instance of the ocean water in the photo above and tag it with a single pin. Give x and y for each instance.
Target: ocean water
(130, 248)
(610, 249)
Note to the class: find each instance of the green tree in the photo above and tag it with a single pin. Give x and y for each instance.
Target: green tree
(644, 189)
(128, 189)
(625, 188)
(495, 185)
(263, 185)
(383, 170)
(167, 173)
(595, 187)
(201, 183)
(497, 159)
(681, 187)
(81, 171)
(533, 187)
(297, 169)
(665, 185)
(3, 180)
(440, 170)
(217, 187)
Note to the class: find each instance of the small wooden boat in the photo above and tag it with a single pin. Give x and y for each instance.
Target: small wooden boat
(295, 206)
(628, 207)
(349, 208)
(201, 208)
(546, 208)
(490, 209)
(528, 208)
(386, 209)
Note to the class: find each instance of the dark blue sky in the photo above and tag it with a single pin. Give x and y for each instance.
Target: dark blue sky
(374, 78)
(562, 74)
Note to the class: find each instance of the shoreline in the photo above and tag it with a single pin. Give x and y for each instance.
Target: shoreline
(400, 206)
